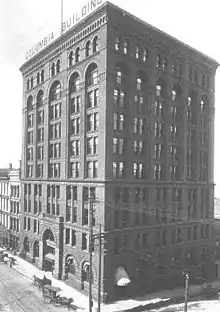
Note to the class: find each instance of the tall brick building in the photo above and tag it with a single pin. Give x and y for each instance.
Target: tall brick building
(118, 109)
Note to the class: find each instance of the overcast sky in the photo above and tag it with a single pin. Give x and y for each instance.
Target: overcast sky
(24, 22)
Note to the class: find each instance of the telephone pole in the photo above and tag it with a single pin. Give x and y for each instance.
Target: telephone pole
(91, 213)
(100, 268)
(186, 291)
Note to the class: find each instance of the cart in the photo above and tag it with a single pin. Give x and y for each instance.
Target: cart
(50, 294)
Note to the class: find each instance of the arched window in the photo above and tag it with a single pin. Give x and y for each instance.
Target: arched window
(77, 55)
(165, 63)
(38, 78)
(85, 272)
(92, 75)
(55, 91)
(139, 83)
(117, 44)
(125, 48)
(58, 66)
(40, 98)
(53, 69)
(189, 101)
(70, 266)
(158, 64)
(42, 75)
(203, 103)
(176, 92)
(71, 58)
(160, 88)
(173, 95)
(138, 52)
(48, 235)
(74, 83)
(88, 48)
(95, 44)
(118, 75)
(28, 84)
(32, 82)
(145, 56)
(30, 102)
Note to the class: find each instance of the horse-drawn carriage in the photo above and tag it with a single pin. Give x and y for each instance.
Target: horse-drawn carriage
(53, 294)
(41, 282)
(7, 259)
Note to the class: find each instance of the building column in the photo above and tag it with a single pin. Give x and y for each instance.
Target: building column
(41, 252)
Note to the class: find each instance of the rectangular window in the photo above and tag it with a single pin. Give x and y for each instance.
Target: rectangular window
(125, 194)
(157, 172)
(67, 236)
(29, 224)
(75, 126)
(157, 151)
(138, 170)
(118, 169)
(75, 104)
(40, 117)
(74, 169)
(75, 148)
(92, 145)
(30, 120)
(73, 238)
(30, 137)
(35, 226)
(84, 241)
(157, 130)
(40, 135)
(25, 223)
(40, 152)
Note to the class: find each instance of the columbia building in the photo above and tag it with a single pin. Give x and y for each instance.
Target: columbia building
(117, 110)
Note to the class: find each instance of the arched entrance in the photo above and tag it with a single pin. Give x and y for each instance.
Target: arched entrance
(48, 250)
(85, 273)
(70, 265)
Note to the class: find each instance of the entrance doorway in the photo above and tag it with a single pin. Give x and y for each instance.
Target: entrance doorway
(48, 251)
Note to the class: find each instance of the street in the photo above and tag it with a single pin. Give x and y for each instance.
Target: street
(205, 306)
(17, 294)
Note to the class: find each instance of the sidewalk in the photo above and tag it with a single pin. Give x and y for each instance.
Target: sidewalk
(136, 304)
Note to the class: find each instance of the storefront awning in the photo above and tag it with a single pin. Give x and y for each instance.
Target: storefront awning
(121, 277)
(50, 257)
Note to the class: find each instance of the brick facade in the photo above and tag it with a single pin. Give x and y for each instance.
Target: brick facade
(130, 118)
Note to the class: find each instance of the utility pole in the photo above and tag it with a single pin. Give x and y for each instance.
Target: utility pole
(186, 291)
(100, 268)
(61, 29)
(91, 201)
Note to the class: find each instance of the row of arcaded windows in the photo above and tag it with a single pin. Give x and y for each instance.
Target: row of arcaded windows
(142, 54)
(74, 86)
(73, 58)
(39, 79)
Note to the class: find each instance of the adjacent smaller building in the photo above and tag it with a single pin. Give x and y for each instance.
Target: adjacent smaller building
(9, 206)
(14, 202)
(4, 207)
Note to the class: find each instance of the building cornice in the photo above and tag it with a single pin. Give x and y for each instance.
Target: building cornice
(93, 21)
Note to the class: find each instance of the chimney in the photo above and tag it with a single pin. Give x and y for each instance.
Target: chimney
(10, 166)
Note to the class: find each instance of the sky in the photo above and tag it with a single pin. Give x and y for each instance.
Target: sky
(23, 23)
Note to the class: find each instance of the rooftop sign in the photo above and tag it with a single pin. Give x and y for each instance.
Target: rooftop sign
(79, 15)
(70, 22)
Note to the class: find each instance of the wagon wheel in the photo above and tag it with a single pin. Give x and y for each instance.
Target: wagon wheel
(46, 299)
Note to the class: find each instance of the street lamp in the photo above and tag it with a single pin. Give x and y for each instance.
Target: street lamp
(186, 291)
